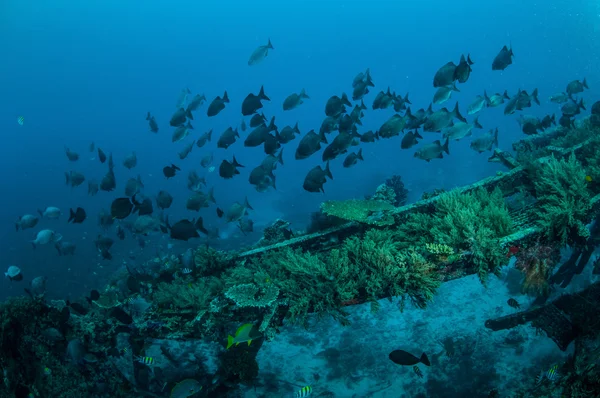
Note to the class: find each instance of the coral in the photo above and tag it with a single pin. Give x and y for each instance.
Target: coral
(277, 232)
(471, 223)
(190, 295)
(564, 199)
(251, 295)
(384, 193)
(537, 262)
(210, 261)
(365, 211)
(401, 193)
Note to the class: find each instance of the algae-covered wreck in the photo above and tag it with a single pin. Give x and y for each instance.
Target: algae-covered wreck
(370, 250)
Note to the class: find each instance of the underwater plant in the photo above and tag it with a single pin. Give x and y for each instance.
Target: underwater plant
(537, 262)
(563, 199)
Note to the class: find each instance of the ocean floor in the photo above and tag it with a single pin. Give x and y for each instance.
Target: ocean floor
(467, 359)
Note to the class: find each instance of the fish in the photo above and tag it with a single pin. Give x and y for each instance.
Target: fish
(74, 178)
(260, 53)
(252, 103)
(461, 129)
(217, 105)
(309, 144)
(338, 146)
(181, 132)
(186, 388)
(101, 155)
(559, 98)
(410, 139)
(133, 186)
(77, 216)
(183, 230)
(288, 133)
(178, 118)
(152, 123)
(227, 138)
(244, 334)
(486, 142)
(392, 127)
(402, 357)
(51, 213)
(199, 200)
(257, 119)
(551, 375)
(521, 101)
(463, 69)
(294, 100)
(26, 221)
(182, 97)
(513, 303)
(46, 236)
(186, 150)
(443, 93)
(13, 273)
(204, 138)
(576, 87)
(441, 119)
(478, 104)
(120, 208)
(271, 144)
(164, 199)
(433, 150)
(142, 208)
(369, 136)
(418, 371)
(206, 160)
(20, 120)
(170, 171)
(229, 169)
(145, 360)
(194, 104)
(303, 392)
(573, 108)
(130, 161)
(496, 99)
(315, 179)
(259, 135)
(445, 75)
(71, 155)
(335, 105)
(237, 210)
(246, 225)
(503, 59)
(353, 158)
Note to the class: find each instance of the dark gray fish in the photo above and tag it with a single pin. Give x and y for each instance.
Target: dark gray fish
(369, 136)
(142, 208)
(463, 70)
(186, 150)
(576, 87)
(105, 219)
(441, 119)
(257, 120)
(353, 158)
(486, 142)
(237, 210)
(199, 200)
(496, 99)
(443, 93)
(252, 103)
(315, 179)
(217, 105)
(164, 200)
(410, 139)
(445, 75)
(309, 144)
(194, 104)
(260, 134)
(559, 98)
(392, 127)
(246, 225)
(65, 248)
(181, 132)
(101, 155)
(74, 178)
(336, 106)
(206, 160)
(133, 186)
(72, 156)
(130, 161)
(229, 169)
(152, 123)
(204, 138)
(573, 108)
(288, 133)
(120, 208)
(432, 150)
(338, 146)
(183, 230)
(77, 217)
(401, 357)
(294, 100)
(170, 171)
(227, 138)
(195, 182)
(179, 118)
(503, 59)
(28, 221)
(383, 100)
(329, 125)
(260, 53)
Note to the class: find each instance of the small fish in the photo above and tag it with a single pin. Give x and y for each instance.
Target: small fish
(418, 371)
(353, 158)
(217, 105)
(170, 171)
(503, 59)
(432, 150)
(559, 98)
(588, 178)
(151, 123)
(260, 53)
(551, 375)
(145, 360)
(20, 120)
(186, 271)
(513, 303)
(244, 334)
(303, 392)
(229, 169)
(401, 357)
(47, 371)
(576, 87)
(77, 216)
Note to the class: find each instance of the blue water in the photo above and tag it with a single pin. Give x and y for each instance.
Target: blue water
(90, 71)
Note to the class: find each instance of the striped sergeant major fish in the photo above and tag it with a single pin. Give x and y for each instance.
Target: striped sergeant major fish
(551, 374)
(145, 360)
(303, 392)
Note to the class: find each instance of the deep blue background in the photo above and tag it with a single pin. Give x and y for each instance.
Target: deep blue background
(89, 71)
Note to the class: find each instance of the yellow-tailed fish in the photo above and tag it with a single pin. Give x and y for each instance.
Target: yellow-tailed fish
(551, 374)
(242, 335)
(146, 360)
(303, 392)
